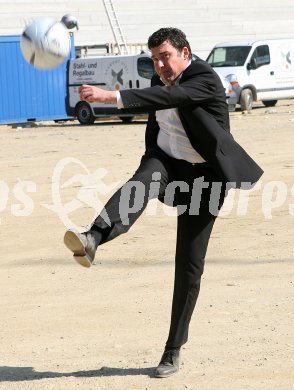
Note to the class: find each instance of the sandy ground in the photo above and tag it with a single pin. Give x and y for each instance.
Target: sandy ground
(66, 327)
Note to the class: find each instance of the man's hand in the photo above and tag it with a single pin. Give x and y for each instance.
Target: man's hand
(93, 94)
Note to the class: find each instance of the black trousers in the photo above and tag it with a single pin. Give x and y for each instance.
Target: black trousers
(189, 188)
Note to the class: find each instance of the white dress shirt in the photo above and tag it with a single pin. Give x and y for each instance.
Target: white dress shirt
(172, 137)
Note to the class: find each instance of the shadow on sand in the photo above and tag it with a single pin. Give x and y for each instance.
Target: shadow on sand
(17, 374)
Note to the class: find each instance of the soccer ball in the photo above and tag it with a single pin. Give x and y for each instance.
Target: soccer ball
(45, 43)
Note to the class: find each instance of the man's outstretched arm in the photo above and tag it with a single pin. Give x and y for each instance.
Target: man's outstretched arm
(92, 94)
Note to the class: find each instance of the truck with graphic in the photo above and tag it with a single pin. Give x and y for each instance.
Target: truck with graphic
(116, 72)
(259, 70)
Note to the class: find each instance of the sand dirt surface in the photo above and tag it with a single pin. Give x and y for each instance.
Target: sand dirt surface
(65, 327)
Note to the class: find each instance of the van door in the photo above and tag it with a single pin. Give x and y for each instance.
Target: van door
(117, 72)
(284, 70)
(261, 72)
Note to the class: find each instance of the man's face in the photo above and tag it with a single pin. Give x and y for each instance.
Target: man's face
(169, 63)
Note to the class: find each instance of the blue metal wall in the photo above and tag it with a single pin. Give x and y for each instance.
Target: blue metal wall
(27, 93)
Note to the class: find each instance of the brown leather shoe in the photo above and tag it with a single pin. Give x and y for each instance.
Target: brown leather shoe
(169, 364)
(82, 245)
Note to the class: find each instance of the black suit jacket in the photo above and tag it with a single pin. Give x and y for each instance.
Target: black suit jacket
(201, 102)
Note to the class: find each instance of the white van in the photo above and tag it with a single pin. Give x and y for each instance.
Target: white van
(257, 70)
(108, 72)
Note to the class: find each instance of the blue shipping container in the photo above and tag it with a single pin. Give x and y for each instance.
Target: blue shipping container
(27, 93)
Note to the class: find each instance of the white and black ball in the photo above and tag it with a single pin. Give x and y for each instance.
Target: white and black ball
(45, 43)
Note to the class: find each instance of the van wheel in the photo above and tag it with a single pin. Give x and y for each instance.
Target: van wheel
(269, 103)
(84, 114)
(126, 119)
(246, 100)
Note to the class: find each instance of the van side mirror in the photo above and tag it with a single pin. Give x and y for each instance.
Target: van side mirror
(252, 64)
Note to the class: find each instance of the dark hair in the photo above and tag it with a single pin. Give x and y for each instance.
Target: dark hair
(173, 35)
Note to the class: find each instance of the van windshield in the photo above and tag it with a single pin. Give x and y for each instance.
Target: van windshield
(228, 56)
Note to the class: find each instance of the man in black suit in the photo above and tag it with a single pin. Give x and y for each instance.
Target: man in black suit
(191, 160)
